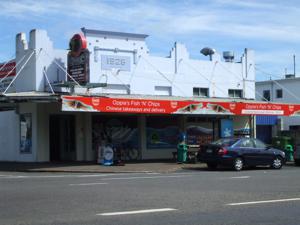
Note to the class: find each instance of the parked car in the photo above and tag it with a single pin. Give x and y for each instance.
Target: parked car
(240, 152)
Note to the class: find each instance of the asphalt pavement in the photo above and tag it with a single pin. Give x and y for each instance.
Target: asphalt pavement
(194, 196)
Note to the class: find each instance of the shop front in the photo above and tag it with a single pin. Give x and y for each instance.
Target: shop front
(144, 128)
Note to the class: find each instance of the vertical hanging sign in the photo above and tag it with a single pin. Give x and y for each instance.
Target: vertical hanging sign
(78, 59)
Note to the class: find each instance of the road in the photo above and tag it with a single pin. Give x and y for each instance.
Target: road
(192, 197)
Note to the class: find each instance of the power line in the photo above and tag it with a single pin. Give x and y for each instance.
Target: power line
(6, 62)
(203, 76)
(287, 90)
(23, 66)
(164, 76)
(243, 80)
(13, 68)
(44, 71)
(63, 69)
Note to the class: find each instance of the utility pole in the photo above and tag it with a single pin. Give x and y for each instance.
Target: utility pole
(294, 65)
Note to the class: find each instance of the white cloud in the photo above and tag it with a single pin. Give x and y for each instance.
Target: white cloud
(25, 9)
(248, 4)
(265, 25)
(180, 19)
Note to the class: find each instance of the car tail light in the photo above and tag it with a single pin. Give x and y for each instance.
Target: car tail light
(222, 151)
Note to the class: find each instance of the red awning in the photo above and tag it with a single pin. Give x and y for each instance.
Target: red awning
(176, 106)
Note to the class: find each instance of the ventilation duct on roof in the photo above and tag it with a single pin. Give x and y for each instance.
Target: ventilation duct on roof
(228, 56)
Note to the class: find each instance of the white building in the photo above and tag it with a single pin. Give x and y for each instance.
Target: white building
(281, 90)
(44, 126)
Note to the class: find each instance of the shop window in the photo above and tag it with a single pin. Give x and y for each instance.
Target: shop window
(200, 132)
(279, 93)
(120, 131)
(201, 92)
(25, 133)
(266, 95)
(162, 132)
(235, 93)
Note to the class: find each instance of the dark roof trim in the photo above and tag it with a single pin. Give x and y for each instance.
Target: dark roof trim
(18, 99)
(112, 33)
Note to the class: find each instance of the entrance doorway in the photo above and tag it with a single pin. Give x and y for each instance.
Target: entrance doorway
(62, 138)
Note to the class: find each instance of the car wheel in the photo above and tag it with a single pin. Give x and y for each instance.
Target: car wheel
(238, 164)
(297, 162)
(212, 166)
(277, 162)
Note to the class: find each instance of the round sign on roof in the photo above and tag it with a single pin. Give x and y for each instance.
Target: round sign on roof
(77, 44)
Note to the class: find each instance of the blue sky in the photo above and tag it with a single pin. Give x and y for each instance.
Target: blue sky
(270, 28)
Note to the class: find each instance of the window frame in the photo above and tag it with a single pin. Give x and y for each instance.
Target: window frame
(266, 98)
(277, 93)
(200, 91)
(235, 93)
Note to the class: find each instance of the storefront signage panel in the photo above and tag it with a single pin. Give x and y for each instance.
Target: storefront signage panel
(78, 60)
(109, 62)
(152, 106)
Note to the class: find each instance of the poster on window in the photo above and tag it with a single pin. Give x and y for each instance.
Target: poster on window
(226, 128)
(25, 133)
(162, 133)
(199, 134)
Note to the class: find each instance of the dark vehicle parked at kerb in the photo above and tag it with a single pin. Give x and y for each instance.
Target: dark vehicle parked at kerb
(240, 152)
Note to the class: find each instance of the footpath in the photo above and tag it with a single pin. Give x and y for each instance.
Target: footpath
(87, 167)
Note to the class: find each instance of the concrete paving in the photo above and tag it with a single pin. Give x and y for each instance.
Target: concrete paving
(88, 167)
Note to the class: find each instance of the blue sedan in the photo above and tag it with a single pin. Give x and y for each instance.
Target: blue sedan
(240, 152)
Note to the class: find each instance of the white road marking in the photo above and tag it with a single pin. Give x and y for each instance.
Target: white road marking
(86, 184)
(61, 176)
(93, 175)
(51, 176)
(136, 178)
(262, 202)
(136, 212)
(241, 177)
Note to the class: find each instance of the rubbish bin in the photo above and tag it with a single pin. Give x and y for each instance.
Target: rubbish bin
(182, 152)
(282, 141)
(289, 153)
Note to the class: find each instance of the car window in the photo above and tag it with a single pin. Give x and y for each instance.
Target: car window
(225, 142)
(246, 143)
(259, 144)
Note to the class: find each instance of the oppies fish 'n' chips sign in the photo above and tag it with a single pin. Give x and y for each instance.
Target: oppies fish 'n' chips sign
(154, 106)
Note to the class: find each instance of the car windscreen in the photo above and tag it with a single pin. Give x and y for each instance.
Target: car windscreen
(225, 142)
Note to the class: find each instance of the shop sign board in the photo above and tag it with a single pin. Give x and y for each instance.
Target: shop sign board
(154, 106)
(7, 73)
(109, 62)
(78, 60)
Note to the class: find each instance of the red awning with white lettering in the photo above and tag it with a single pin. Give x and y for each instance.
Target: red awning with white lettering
(176, 106)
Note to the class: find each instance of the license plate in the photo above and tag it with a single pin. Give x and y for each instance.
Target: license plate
(208, 150)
